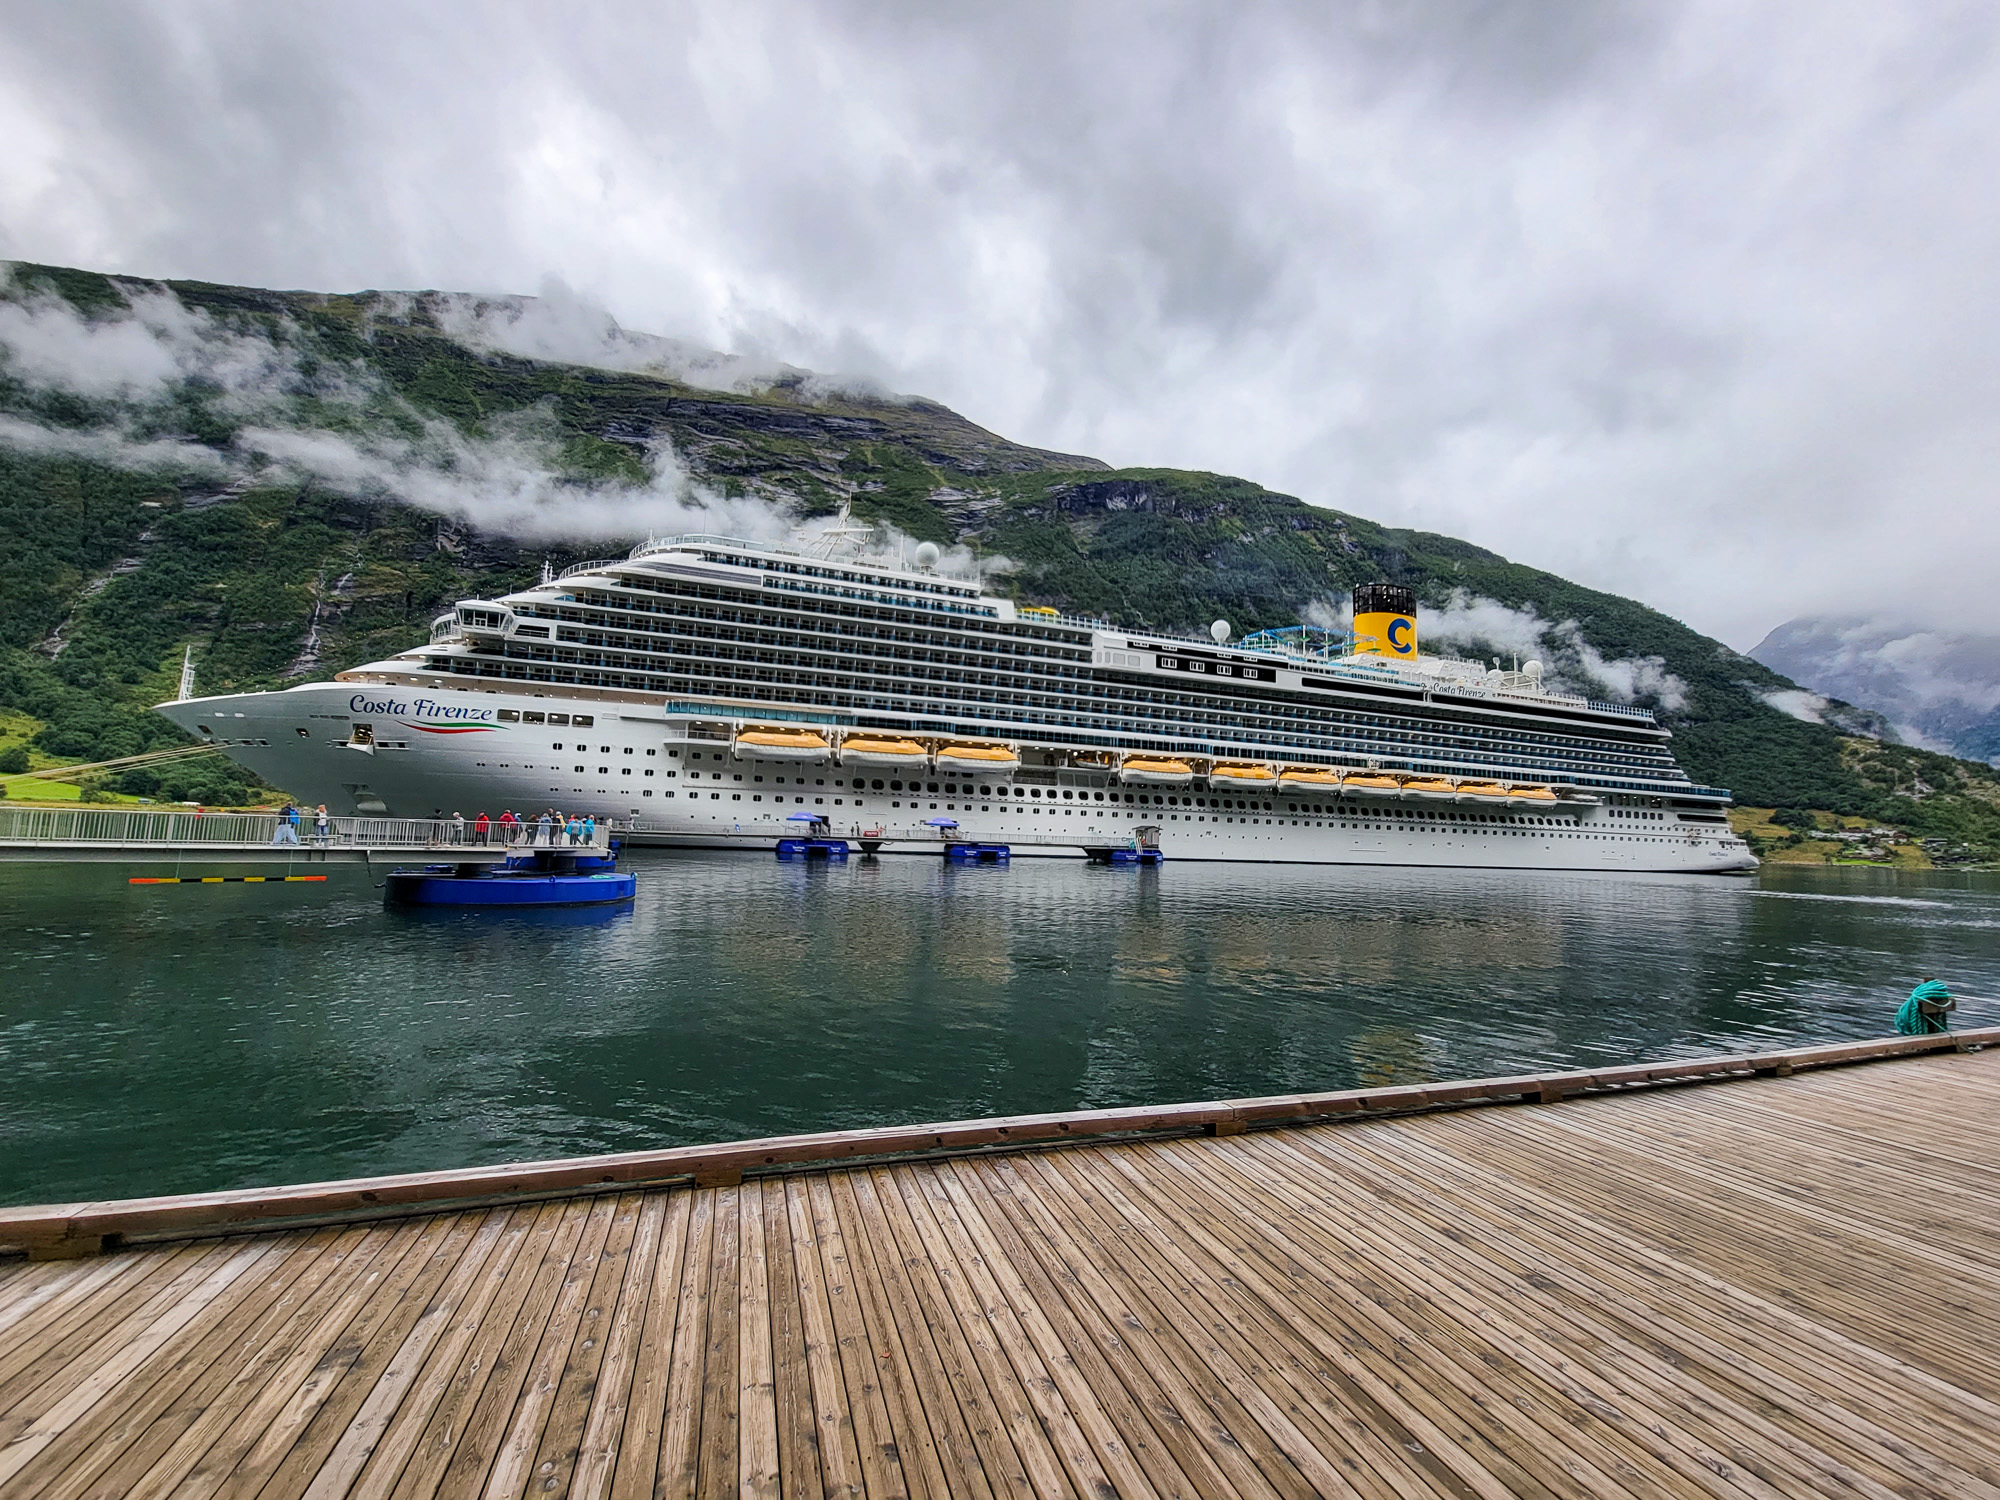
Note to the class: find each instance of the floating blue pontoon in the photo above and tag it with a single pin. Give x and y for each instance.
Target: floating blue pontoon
(977, 854)
(542, 877)
(818, 845)
(1144, 849)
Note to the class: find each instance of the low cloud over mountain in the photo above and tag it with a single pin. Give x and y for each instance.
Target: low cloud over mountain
(1939, 688)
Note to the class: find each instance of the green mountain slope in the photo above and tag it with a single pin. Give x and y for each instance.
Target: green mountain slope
(233, 468)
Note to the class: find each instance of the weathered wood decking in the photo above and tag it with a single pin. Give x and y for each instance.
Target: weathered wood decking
(1773, 1287)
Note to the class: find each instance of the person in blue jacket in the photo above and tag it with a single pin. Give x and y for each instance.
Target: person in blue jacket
(1925, 1011)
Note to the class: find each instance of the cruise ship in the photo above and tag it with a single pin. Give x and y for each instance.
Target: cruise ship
(707, 692)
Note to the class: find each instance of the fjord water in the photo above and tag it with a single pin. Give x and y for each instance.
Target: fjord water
(176, 1038)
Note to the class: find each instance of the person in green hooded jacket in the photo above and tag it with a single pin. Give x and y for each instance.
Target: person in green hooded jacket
(1924, 1012)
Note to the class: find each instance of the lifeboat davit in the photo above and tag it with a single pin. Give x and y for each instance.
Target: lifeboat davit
(1155, 770)
(1369, 784)
(1242, 776)
(1309, 778)
(978, 760)
(1429, 789)
(1530, 796)
(782, 744)
(887, 751)
(1486, 793)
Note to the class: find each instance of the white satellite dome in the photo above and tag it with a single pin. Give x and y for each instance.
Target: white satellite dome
(1219, 631)
(1533, 669)
(927, 554)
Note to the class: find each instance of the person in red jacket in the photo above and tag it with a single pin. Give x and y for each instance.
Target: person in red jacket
(481, 825)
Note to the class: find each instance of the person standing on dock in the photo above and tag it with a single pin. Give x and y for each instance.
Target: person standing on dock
(481, 827)
(1923, 1014)
(457, 827)
(321, 823)
(288, 826)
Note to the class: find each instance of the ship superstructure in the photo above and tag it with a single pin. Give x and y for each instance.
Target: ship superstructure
(705, 689)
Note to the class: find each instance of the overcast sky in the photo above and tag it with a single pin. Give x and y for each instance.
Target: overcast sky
(1692, 302)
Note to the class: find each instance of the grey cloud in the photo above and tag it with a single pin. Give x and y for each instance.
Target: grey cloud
(1693, 303)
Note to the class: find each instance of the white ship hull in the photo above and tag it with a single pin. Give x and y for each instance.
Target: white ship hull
(438, 749)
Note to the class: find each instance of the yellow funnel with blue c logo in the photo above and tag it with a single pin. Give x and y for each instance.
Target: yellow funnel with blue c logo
(1385, 620)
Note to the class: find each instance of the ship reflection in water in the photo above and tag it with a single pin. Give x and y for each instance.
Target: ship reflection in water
(165, 1039)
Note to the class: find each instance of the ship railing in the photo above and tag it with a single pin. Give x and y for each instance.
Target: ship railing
(148, 827)
(595, 565)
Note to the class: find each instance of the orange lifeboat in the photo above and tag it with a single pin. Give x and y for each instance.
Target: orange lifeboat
(1239, 776)
(782, 744)
(1155, 770)
(888, 752)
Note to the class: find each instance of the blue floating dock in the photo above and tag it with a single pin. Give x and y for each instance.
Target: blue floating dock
(1127, 856)
(542, 879)
(812, 848)
(977, 854)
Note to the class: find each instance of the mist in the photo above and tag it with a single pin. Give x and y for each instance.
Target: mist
(1571, 662)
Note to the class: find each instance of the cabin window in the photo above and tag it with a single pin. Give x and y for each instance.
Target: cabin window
(530, 716)
(584, 721)
(558, 718)
(510, 716)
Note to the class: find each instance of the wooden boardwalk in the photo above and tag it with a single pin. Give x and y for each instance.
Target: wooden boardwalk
(1771, 1287)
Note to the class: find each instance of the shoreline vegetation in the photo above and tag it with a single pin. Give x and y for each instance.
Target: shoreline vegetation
(138, 522)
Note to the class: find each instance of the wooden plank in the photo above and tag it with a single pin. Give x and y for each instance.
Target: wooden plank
(876, 1441)
(1568, 1410)
(75, 1327)
(837, 1442)
(452, 1390)
(1331, 1447)
(521, 1437)
(1137, 1413)
(1090, 1469)
(1636, 1345)
(526, 1233)
(467, 1449)
(45, 1425)
(893, 1307)
(569, 1409)
(1150, 1352)
(791, 1376)
(301, 1433)
(757, 1470)
(174, 1388)
(718, 1464)
(75, 1228)
(680, 1432)
(924, 1305)
(1820, 1350)
(1387, 1403)
(646, 1403)
(603, 1431)
(211, 1437)
(1033, 1443)
(203, 1458)
(334, 1474)
(910, 1424)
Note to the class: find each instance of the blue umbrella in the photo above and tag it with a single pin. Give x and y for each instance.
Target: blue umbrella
(941, 822)
(805, 817)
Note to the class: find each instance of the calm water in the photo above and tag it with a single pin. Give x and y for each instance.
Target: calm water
(174, 1038)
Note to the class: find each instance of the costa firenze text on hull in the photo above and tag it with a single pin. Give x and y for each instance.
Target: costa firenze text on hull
(708, 690)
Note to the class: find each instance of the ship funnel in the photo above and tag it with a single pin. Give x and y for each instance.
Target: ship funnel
(1385, 620)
